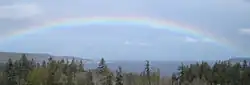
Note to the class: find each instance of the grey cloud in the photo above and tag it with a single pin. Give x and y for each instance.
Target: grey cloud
(189, 39)
(17, 15)
(7, 25)
(136, 43)
(19, 11)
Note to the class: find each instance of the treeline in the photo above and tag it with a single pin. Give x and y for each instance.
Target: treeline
(221, 73)
(65, 72)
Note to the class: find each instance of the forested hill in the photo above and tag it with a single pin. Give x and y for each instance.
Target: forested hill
(4, 56)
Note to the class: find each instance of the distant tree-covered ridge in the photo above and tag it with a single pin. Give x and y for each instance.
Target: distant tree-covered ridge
(4, 56)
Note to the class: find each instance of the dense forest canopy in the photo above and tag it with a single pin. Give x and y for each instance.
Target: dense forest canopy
(65, 72)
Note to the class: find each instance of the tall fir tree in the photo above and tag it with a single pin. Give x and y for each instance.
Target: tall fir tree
(11, 75)
(148, 72)
(173, 79)
(244, 66)
(81, 66)
(119, 76)
(44, 64)
(102, 67)
(25, 67)
(51, 71)
(109, 79)
(89, 78)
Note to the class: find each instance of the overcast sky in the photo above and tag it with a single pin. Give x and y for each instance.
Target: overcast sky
(228, 19)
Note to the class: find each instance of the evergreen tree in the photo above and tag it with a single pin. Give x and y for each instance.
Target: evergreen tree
(245, 76)
(25, 67)
(244, 66)
(148, 72)
(62, 61)
(51, 72)
(38, 65)
(234, 74)
(81, 66)
(44, 64)
(71, 72)
(10, 71)
(32, 64)
(174, 78)
(70, 80)
(89, 78)
(102, 67)
(73, 66)
(182, 73)
(109, 79)
(119, 76)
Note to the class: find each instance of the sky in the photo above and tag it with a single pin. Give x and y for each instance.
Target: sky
(225, 19)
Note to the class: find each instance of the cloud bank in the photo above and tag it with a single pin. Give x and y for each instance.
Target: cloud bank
(136, 43)
(19, 11)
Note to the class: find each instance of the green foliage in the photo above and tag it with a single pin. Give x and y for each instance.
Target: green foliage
(89, 78)
(119, 76)
(52, 72)
(147, 72)
(102, 67)
(109, 79)
(81, 66)
(37, 76)
(10, 72)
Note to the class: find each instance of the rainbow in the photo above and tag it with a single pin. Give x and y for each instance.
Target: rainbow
(144, 21)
